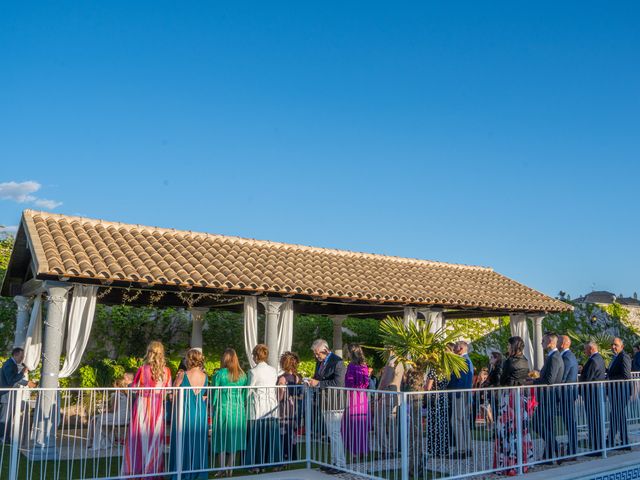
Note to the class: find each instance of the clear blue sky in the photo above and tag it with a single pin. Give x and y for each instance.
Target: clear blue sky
(495, 133)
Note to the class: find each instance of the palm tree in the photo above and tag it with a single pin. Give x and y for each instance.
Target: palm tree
(602, 339)
(417, 346)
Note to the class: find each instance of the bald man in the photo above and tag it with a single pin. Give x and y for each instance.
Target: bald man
(593, 371)
(568, 393)
(619, 393)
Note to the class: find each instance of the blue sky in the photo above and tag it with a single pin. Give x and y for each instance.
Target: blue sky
(498, 133)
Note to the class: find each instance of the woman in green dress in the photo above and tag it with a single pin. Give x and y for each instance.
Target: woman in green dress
(229, 418)
(193, 411)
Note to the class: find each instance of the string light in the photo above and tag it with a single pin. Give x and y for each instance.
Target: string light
(104, 293)
(126, 298)
(155, 296)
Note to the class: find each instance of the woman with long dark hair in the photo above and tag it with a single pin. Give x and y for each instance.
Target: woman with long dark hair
(355, 422)
(514, 374)
(229, 416)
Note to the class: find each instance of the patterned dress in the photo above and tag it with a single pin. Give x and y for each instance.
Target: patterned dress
(437, 417)
(356, 420)
(506, 443)
(145, 442)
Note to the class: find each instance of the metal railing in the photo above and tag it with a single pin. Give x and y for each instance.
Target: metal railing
(181, 432)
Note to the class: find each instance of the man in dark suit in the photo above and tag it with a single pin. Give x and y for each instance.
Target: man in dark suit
(593, 371)
(551, 374)
(460, 403)
(12, 374)
(619, 393)
(635, 363)
(569, 393)
(330, 372)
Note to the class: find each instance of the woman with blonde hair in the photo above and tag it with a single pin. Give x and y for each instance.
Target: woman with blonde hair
(193, 416)
(145, 443)
(229, 418)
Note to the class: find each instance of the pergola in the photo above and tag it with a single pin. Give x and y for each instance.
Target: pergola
(163, 267)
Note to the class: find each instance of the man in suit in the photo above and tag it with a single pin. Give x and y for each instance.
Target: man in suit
(619, 393)
(461, 404)
(569, 393)
(593, 371)
(330, 372)
(551, 374)
(635, 363)
(12, 374)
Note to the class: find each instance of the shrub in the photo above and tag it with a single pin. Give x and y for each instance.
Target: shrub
(88, 377)
(306, 368)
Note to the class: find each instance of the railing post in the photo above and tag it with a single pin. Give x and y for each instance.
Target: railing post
(179, 417)
(518, 419)
(603, 411)
(16, 431)
(404, 437)
(307, 424)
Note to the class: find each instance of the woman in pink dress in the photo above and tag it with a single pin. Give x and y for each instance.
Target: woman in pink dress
(356, 420)
(145, 442)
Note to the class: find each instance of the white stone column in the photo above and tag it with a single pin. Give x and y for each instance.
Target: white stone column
(434, 316)
(52, 349)
(22, 320)
(272, 310)
(337, 320)
(537, 341)
(410, 315)
(197, 321)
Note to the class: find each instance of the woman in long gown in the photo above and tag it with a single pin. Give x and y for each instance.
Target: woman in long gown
(514, 373)
(356, 422)
(437, 415)
(193, 412)
(145, 442)
(229, 417)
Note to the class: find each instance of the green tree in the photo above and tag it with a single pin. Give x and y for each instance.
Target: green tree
(7, 306)
(415, 345)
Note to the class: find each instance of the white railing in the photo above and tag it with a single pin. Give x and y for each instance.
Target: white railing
(102, 433)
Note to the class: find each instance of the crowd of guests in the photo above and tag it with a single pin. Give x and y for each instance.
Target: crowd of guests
(260, 426)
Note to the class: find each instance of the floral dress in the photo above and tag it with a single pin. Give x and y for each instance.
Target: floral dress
(506, 441)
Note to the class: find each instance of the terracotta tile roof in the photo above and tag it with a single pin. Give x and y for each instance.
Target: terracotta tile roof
(84, 248)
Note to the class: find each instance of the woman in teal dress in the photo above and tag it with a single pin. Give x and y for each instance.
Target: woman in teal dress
(228, 416)
(193, 412)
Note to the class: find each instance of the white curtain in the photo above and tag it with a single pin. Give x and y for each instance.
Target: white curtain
(410, 316)
(285, 327)
(79, 321)
(250, 314)
(435, 317)
(33, 342)
(519, 328)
